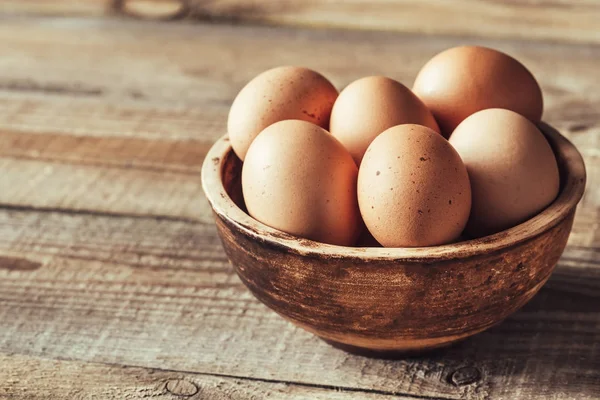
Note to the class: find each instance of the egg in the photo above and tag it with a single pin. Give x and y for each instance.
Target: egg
(275, 95)
(299, 179)
(369, 106)
(514, 174)
(413, 188)
(463, 80)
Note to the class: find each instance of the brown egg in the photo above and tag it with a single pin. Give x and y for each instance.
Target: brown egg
(463, 80)
(413, 189)
(276, 95)
(369, 106)
(299, 179)
(513, 171)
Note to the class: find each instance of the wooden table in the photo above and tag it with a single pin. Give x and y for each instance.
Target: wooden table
(113, 283)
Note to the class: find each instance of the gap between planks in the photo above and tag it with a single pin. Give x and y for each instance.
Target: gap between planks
(97, 213)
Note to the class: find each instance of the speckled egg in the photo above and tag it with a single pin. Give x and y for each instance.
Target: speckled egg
(299, 179)
(463, 80)
(513, 171)
(369, 106)
(275, 95)
(413, 188)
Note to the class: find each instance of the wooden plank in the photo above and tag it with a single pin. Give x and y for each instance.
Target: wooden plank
(94, 118)
(159, 293)
(560, 20)
(132, 175)
(55, 8)
(31, 378)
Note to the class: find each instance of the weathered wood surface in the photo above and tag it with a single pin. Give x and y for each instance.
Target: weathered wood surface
(108, 253)
(556, 20)
(32, 378)
(157, 293)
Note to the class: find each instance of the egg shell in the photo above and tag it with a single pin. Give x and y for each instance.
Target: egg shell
(513, 171)
(463, 80)
(276, 95)
(369, 106)
(299, 179)
(413, 189)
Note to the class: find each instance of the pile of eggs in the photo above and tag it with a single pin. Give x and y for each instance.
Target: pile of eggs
(457, 156)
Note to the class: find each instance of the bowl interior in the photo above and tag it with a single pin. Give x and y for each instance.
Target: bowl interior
(221, 177)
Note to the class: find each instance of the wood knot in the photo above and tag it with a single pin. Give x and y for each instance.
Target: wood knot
(18, 264)
(465, 376)
(181, 387)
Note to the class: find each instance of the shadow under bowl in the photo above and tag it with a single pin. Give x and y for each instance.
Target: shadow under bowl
(381, 300)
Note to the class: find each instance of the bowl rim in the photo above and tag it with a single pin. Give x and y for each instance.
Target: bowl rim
(573, 179)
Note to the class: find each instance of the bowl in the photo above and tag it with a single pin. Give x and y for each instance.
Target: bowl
(380, 300)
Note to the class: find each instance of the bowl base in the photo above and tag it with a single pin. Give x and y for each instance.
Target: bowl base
(391, 354)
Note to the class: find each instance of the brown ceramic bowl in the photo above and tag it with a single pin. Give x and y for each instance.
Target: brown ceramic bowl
(393, 299)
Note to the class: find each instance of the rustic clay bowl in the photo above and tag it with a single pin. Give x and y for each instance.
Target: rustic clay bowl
(393, 299)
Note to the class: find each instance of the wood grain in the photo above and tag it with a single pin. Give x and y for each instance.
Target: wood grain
(31, 378)
(146, 292)
(557, 20)
(54, 8)
(51, 170)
